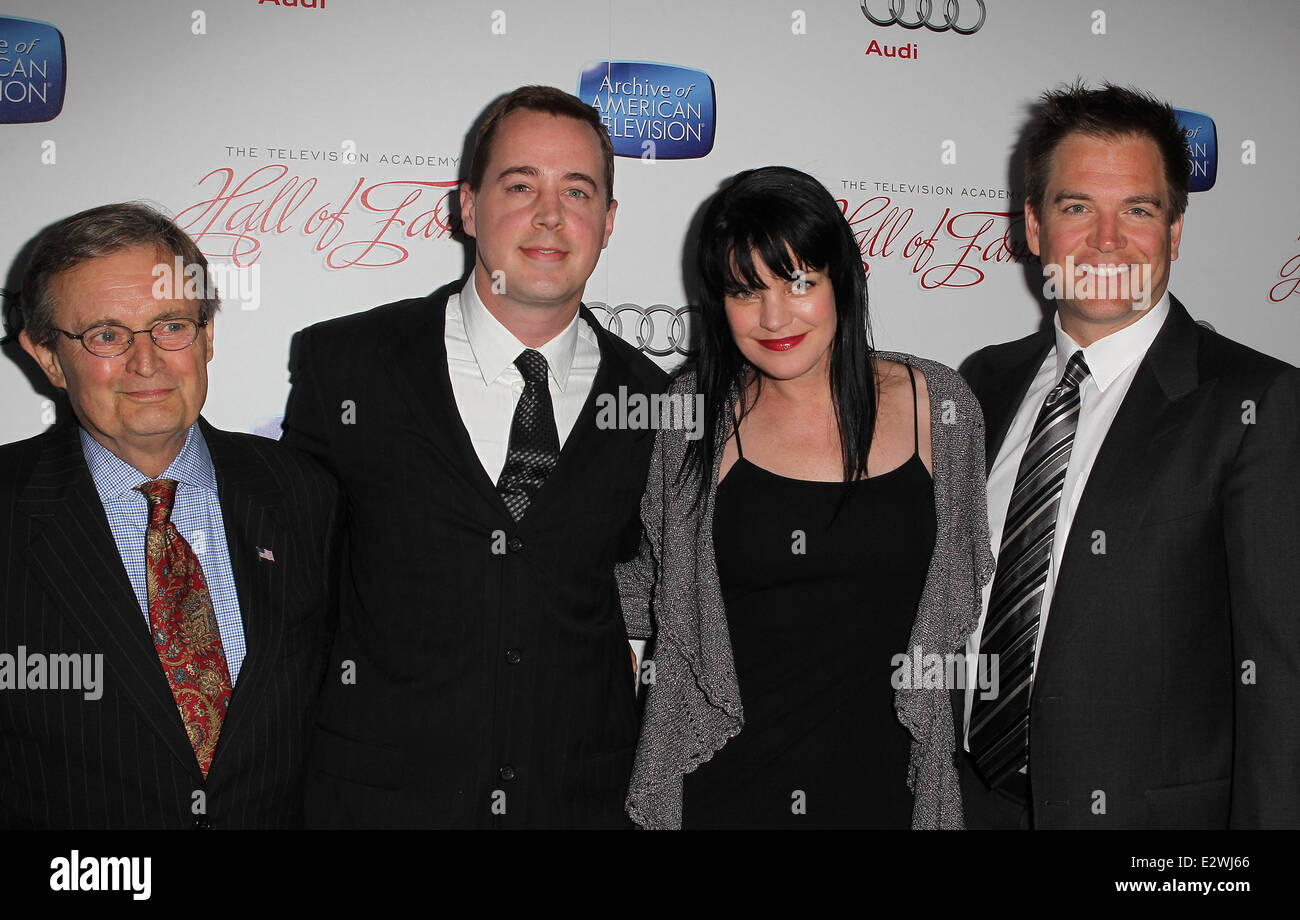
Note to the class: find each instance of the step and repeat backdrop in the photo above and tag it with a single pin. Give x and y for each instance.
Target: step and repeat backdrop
(312, 147)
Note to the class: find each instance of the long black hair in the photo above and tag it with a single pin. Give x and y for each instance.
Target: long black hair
(786, 220)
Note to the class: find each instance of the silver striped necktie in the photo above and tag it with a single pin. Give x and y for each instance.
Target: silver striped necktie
(999, 727)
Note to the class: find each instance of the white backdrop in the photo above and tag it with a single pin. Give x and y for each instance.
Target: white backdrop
(168, 101)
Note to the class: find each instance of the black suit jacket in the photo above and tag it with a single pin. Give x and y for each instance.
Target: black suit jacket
(1168, 679)
(124, 761)
(481, 676)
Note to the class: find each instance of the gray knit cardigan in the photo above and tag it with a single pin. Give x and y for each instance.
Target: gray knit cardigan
(693, 707)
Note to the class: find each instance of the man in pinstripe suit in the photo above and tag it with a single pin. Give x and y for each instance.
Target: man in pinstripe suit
(194, 564)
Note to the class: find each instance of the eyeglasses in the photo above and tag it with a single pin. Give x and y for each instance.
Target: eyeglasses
(108, 340)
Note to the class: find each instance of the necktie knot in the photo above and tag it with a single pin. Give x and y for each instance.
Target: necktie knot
(532, 364)
(1076, 371)
(160, 494)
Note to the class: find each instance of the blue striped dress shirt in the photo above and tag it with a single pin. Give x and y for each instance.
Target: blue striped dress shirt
(196, 513)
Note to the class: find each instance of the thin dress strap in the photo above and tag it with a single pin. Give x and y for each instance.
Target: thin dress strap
(916, 415)
(740, 452)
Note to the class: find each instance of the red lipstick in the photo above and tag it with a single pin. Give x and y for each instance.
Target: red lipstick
(782, 344)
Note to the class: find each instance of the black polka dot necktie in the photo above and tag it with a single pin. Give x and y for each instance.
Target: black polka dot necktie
(534, 445)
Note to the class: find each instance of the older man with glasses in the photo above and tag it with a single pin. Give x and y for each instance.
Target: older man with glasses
(166, 599)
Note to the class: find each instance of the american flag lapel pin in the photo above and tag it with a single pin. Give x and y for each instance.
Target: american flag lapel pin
(265, 553)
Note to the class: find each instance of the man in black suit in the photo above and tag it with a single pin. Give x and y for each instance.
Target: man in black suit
(1144, 503)
(167, 587)
(482, 676)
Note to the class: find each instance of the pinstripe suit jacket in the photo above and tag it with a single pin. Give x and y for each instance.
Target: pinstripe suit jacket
(123, 760)
(493, 682)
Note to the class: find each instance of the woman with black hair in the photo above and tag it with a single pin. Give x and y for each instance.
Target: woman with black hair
(821, 547)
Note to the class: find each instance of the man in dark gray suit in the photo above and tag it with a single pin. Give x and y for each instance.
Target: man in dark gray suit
(1145, 510)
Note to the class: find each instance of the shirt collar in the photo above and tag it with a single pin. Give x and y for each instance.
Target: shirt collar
(495, 347)
(1111, 355)
(116, 479)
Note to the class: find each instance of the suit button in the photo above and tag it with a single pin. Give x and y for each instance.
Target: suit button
(513, 656)
(514, 544)
(507, 772)
(201, 823)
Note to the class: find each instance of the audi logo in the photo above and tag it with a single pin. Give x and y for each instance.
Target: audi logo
(925, 17)
(654, 336)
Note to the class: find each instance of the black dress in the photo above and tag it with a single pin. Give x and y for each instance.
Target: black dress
(821, 582)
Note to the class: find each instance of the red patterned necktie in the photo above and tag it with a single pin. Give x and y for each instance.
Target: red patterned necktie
(184, 625)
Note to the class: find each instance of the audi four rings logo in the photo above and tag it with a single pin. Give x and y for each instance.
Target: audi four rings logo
(660, 329)
(925, 16)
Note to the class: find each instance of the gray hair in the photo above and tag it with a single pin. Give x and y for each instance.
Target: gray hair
(100, 232)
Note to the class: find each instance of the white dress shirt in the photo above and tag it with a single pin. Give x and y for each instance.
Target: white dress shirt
(1113, 362)
(481, 355)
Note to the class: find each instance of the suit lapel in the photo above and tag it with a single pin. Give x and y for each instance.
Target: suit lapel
(1115, 498)
(1000, 380)
(74, 556)
(1001, 391)
(250, 505)
(419, 362)
(421, 366)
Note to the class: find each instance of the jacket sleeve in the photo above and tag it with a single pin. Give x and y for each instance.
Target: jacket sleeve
(1261, 522)
(306, 421)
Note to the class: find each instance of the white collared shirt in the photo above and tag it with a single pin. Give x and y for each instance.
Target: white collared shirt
(1113, 361)
(486, 384)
